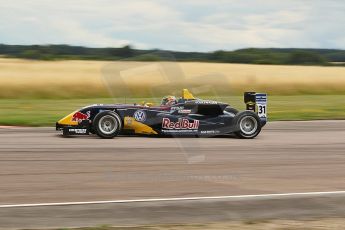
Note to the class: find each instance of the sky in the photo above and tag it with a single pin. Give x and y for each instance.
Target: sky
(189, 25)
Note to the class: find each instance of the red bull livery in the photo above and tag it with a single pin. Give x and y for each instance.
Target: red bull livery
(184, 116)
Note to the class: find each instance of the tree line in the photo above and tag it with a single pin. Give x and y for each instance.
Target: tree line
(249, 56)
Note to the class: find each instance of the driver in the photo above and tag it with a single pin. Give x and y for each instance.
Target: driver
(168, 101)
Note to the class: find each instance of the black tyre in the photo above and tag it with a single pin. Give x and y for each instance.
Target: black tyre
(107, 124)
(92, 131)
(231, 110)
(65, 133)
(248, 123)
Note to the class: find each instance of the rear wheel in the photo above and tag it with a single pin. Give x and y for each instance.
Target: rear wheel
(107, 124)
(248, 123)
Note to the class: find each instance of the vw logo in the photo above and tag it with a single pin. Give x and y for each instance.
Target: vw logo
(140, 115)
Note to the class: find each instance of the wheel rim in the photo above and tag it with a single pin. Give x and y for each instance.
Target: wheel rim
(108, 124)
(248, 125)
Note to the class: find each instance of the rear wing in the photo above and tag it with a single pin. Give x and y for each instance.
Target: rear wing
(257, 102)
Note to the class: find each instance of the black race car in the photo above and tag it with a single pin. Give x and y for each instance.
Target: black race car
(187, 116)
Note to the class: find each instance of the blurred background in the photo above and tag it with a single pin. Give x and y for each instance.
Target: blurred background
(59, 55)
(56, 56)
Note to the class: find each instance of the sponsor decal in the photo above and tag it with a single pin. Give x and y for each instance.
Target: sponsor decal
(261, 101)
(206, 102)
(78, 131)
(261, 97)
(180, 131)
(176, 108)
(79, 116)
(185, 111)
(210, 132)
(129, 121)
(182, 123)
(140, 115)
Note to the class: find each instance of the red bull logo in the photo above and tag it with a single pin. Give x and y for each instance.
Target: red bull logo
(79, 116)
(182, 123)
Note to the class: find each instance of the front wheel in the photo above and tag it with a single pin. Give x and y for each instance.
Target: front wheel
(248, 123)
(107, 124)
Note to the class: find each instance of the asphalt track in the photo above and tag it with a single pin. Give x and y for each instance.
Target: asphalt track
(38, 166)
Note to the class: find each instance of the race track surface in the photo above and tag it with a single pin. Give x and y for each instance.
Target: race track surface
(38, 165)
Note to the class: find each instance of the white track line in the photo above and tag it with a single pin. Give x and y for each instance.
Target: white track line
(234, 197)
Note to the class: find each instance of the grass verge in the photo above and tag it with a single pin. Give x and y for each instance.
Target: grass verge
(45, 112)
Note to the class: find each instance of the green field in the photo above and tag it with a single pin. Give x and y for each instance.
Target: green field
(38, 93)
(45, 112)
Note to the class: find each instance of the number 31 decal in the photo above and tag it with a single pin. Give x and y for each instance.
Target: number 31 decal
(262, 110)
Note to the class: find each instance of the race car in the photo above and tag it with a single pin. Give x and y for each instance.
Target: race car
(186, 116)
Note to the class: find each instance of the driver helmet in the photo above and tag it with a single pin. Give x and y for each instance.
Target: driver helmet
(169, 100)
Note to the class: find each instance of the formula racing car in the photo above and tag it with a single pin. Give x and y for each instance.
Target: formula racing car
(186, 116)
